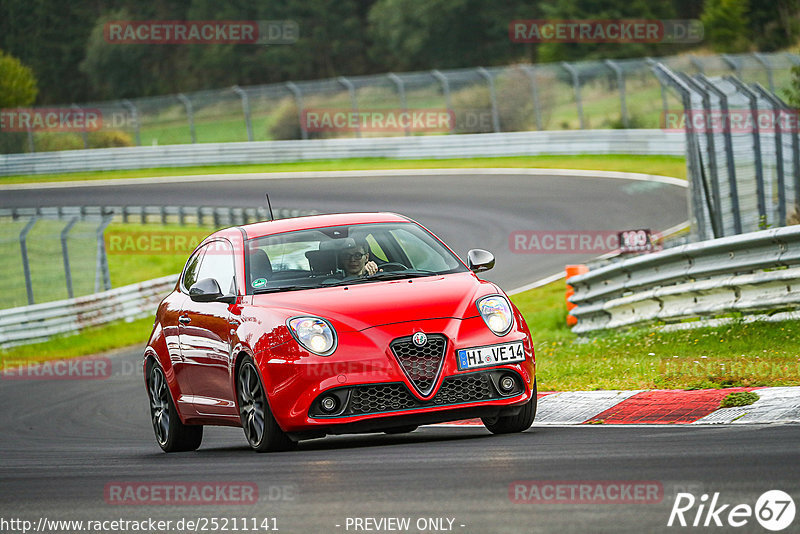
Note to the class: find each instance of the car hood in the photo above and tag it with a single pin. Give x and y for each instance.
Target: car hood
(364, 305)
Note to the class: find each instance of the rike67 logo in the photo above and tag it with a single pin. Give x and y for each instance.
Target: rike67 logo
(774, 510)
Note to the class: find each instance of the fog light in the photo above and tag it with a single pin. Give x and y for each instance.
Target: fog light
(507, 384)
(329, 404)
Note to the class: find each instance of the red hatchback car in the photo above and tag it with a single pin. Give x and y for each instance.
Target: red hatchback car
(333, 324)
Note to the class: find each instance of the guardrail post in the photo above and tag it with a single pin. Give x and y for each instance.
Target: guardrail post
(245, 109)
(530, 70)
(621, 83)
(101, 270)
(776, 110)
(445, 83)
(753, 99)
(134, 119)
(401, 91)
(298, 102)
(189, 115)
(84, 134)
(353, 102)
(23, 248)
(65, 255)
(761, 58)
(576, 85)
(493, 97)
(711, 149)
(731, 165)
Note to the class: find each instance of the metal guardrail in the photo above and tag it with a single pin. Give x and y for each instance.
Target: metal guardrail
(744, 273)
(39, 322)
(567, 142)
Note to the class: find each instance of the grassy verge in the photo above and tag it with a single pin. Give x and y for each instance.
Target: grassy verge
(661, 165)
(90, 341)
(737, 354)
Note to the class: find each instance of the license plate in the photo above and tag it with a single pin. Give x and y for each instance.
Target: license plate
(487, 356)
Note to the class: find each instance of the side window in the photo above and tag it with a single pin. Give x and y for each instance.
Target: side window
(190, 272)
(218, 264)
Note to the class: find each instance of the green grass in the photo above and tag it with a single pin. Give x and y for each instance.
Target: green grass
(659, 165)
(737, 354)
(90, 341)
(742, 398)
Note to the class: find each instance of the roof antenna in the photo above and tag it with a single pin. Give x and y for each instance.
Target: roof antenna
(271, 216)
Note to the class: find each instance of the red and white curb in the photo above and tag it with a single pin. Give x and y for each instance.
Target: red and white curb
(660, 407)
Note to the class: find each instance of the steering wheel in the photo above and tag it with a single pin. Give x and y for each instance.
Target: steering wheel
(393, 266)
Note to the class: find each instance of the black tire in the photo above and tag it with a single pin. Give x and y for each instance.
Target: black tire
(513, 423)
(171, 434)
(260, 428)
(401, 429)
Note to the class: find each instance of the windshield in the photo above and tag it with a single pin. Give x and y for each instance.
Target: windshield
(339, 255)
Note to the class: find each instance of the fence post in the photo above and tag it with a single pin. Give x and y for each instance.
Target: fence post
(65, 255)
(753, 99)
(733, 63)
(189, 115)
(776, 110)
(621, 83)
(353, 102)
(652, 62)
(84, 134)
(726, 132)
(101, 269)
(493, 97)
(576, 85)
(401, 90)
(697, 64)
(31, 143)
(245, 109)
(761, 58)
(134, 119)
(445, 83)
(695, 190)
(711, 149)
(23, 247)
(530, 70)
(298, 103)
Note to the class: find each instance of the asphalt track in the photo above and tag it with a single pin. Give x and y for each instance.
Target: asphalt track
(64, 442)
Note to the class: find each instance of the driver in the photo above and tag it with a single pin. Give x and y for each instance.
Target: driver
(355, 260)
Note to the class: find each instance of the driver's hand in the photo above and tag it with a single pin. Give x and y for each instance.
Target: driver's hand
(370, 268)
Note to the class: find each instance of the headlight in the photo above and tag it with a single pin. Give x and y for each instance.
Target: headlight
(496, 313)
(314, 334)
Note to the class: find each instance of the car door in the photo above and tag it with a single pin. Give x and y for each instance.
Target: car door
(205, 336)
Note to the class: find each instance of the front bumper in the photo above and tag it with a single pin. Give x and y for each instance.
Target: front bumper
(372, 392)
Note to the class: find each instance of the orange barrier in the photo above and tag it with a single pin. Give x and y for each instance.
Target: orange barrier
(573, 270)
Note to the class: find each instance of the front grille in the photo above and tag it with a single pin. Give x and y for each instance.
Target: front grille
(421, 365)
(396, 396)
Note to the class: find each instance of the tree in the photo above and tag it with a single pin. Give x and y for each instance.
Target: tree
(17, 83)
(726, 25)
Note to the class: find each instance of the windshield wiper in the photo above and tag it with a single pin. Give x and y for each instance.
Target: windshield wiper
(281, 288)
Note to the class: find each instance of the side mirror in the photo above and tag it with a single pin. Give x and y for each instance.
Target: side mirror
(480, 260)
(207, 290)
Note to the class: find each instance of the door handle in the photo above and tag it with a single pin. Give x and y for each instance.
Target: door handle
(185, 319)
